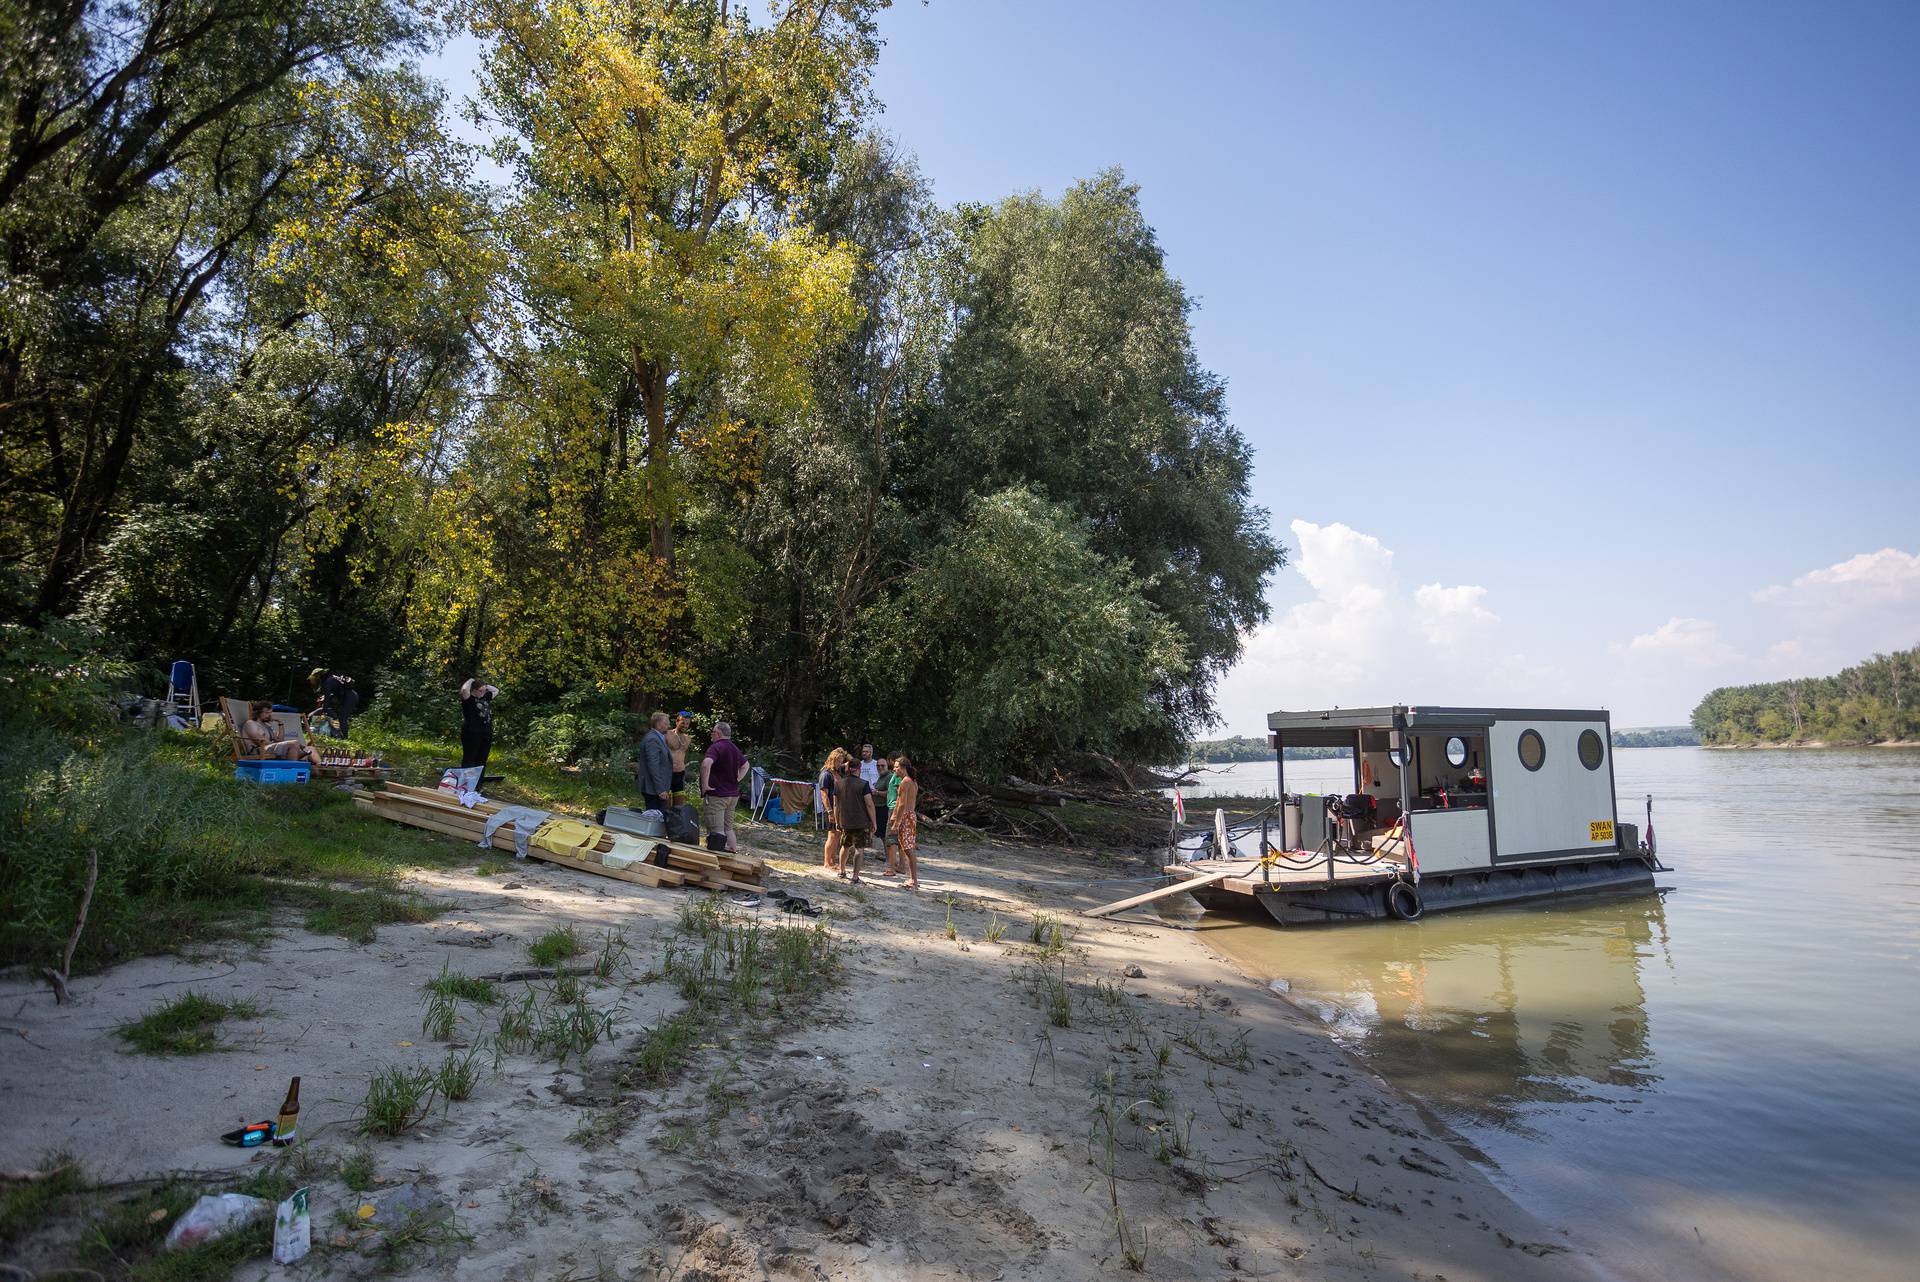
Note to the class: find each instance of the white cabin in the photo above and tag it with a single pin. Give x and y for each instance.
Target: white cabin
(1485, 787)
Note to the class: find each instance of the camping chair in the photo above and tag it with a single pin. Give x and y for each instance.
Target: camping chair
(183, 692)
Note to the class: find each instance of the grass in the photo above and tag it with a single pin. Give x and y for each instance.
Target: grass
(184, 1026)
(357, 1170)
(995, 928)
(396, 1098)
(666, 1048)
(456, 1078)
(469, 988)
(554, 947)
(24, 1205)
(355, 915)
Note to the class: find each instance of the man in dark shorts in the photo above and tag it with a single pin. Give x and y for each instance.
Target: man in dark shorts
(854, 797)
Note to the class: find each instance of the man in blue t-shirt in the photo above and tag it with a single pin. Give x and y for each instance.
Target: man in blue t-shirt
(721, 771)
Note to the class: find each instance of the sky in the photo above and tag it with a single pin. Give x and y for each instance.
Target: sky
(1578, 344)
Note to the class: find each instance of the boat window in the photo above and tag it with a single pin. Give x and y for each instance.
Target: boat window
(1591, 751)
(1533, 749)
(1456, 751)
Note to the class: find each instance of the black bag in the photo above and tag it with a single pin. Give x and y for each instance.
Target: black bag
(717, 842)
(658, 855)
(682, 826)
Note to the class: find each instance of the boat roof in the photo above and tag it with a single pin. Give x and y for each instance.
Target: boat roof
(1335, 727)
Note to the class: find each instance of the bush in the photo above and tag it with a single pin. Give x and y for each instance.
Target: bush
(587, 729)
(61, 677)
(166, 833)
(411, 704)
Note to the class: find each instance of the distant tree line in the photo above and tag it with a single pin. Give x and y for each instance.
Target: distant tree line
(1250, 748)
(1872, 702)
(1657, 737)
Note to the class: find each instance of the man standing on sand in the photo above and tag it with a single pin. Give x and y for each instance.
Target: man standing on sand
(656, 765)
(679, 739)
(721, 771)
(869, 768)
(856, 818)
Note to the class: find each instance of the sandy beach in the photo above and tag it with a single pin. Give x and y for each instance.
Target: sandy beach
(952, 1108)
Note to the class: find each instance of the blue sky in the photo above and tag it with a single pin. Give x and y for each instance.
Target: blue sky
(1579, 345)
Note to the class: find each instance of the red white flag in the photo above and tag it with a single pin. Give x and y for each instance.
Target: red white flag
(1179, 807)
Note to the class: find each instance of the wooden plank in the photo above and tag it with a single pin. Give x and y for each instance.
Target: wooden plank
(1162, 893)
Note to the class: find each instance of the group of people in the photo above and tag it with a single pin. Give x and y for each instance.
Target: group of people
(663, 771)
(872, 795)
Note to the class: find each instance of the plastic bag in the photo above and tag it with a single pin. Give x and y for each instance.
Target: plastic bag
(292, 1229)
(215, 1216)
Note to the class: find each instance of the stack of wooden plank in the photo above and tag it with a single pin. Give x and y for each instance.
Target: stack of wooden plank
(441, 812)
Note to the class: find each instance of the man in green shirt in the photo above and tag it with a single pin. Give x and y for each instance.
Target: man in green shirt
(888, 790)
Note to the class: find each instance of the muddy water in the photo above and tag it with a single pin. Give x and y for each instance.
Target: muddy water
(1719, 1082)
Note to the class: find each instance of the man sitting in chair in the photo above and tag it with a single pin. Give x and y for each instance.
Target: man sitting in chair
(261, 737)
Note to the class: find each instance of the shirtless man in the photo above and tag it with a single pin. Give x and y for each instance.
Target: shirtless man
(261, 737)
(678, 739)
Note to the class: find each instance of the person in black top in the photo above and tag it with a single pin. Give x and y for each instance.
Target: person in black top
(338, 698)
(476, 722)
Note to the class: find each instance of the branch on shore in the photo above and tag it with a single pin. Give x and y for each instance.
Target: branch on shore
(58, 978)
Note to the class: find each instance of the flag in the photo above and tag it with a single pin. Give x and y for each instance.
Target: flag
(1179, 807)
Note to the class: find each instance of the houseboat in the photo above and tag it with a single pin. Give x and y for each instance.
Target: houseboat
(1449, 808)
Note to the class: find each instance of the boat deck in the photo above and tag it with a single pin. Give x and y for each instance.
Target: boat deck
(1245, 876)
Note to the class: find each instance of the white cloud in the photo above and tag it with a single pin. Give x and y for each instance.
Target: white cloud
(1364, 640)
(1833, 617)
(1695, 643)
(1849, 610)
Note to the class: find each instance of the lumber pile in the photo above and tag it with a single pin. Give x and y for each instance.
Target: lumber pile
(437, 811)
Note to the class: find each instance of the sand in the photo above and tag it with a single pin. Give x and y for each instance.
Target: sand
(923, 1120)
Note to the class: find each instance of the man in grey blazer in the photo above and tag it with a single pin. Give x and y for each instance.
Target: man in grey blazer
(656, 765)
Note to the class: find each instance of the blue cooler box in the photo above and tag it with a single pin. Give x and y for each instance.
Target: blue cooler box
(775, 814)
(272, 771)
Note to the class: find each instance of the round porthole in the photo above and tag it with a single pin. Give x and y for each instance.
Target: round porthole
(1592, 752)
(1456, 751)
(1533, 749)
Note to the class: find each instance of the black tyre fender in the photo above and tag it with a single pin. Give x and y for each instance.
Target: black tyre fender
(1403, 901)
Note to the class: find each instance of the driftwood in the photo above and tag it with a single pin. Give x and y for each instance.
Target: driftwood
(537, 972)
(58, 978)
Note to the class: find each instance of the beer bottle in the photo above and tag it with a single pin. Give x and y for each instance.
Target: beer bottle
(286, 1127)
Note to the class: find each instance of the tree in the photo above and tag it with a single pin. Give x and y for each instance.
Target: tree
(661, 148)
(1072, 371)
(145, 143)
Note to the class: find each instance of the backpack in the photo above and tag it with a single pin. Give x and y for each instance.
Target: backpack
(682, 827)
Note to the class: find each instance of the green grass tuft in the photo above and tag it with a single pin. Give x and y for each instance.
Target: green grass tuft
(354, 915)
(357, 1170)
(396, 1098)
(25, 1205)
(184, 1026)
(554, 947)
(470, 988)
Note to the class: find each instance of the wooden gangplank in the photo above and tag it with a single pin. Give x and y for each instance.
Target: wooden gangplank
(1162, 893)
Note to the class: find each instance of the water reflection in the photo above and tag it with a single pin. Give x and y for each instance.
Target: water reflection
(1485, 1015)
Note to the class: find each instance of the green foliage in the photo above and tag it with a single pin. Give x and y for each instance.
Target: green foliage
(710, 404)
(1871, 702)
(183, 1026)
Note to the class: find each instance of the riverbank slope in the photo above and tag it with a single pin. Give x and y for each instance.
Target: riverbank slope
(988, 1090)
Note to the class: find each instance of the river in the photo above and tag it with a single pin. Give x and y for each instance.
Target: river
(1721, 1081)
